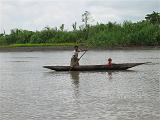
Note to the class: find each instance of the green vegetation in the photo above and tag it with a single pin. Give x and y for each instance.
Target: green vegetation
(41, 44)
(142, 33)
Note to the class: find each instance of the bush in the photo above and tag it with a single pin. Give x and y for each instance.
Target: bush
(142, 33)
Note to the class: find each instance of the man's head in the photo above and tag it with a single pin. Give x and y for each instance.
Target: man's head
(76, 47)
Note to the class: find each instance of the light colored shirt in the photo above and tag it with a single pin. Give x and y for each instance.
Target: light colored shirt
(75, 53)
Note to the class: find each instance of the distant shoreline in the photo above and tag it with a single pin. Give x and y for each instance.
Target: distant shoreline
(55, 48)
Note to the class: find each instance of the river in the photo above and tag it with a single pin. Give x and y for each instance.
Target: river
(30, 92)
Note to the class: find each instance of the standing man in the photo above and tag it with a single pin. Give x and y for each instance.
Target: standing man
(75, 59)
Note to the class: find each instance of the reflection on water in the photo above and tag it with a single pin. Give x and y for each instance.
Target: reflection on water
(75, 82)
(109, 75)
(75, 76)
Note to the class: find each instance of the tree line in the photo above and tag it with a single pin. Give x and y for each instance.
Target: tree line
(141, 33)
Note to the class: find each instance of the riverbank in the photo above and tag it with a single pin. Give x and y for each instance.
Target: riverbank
(36, 47)
(54, 48)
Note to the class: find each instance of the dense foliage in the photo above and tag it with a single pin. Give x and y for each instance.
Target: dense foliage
(142, 33)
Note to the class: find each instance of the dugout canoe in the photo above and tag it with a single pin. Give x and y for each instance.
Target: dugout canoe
(122, 66)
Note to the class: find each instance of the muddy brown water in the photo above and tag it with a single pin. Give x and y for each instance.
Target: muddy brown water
(30, 92)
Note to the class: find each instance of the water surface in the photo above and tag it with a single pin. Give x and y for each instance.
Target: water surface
(30, 92)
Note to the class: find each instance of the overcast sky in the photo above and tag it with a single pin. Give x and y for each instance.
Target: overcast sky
(37, 14)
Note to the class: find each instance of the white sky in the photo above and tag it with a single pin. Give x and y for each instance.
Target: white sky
(37, 14)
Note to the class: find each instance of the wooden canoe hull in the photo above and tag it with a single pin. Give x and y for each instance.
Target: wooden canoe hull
(123, 66)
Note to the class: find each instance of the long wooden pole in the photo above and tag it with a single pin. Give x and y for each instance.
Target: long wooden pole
(82, 55)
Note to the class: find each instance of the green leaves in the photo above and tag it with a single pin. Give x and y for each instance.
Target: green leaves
(142, 33)
(153, 18)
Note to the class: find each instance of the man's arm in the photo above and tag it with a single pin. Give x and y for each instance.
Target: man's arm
(81, 50)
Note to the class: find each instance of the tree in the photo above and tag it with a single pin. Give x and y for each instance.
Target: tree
(154, 18)
(62, 27)
(47, 28)
(74, 25)
(85, 18)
